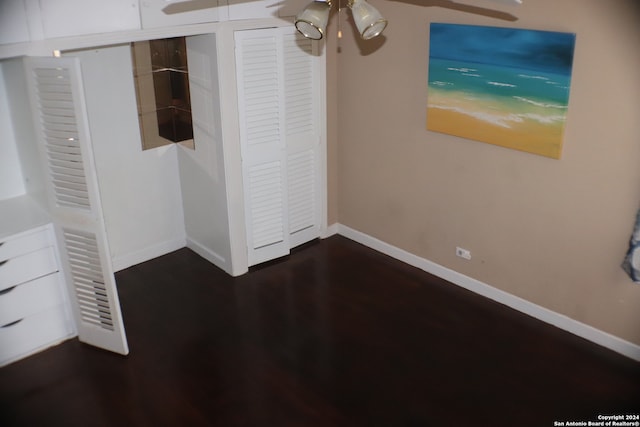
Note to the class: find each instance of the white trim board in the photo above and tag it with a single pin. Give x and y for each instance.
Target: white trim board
(330, 230)
(211, 256)
(561, 321)
(128, 260)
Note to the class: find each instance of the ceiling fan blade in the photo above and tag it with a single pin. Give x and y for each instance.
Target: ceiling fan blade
(513, 2)
(189, 6)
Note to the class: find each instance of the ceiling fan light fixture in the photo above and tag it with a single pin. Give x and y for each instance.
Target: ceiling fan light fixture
(312, 21)
(368, 19)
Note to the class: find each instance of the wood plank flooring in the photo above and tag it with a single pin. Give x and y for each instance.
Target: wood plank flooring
(333, 335)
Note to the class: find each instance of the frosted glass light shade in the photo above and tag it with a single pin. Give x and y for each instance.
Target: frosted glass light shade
(312, 21)
(368, 19)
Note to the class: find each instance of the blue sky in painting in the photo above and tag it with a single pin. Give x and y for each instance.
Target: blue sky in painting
(508, 47)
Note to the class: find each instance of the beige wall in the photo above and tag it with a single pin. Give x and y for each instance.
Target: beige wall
(332, 122)
(551, 231)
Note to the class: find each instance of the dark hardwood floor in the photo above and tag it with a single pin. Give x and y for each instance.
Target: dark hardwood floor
(333, 335)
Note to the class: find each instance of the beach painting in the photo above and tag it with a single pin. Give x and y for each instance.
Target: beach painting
(503, 86)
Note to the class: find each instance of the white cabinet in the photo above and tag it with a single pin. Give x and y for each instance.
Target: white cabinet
(168, 13)
(65, 18)
(34, 310)
(252, 9)
(23, 21)
(22, 267)
(14, 26)
(32, 20)
(291, 7)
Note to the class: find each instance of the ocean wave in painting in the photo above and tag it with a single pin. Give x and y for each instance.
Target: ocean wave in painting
(499, 81)
(540, 104)
(503, 97)
(504, 121)
(500, 118)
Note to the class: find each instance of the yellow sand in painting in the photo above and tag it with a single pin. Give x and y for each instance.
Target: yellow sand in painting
(528, 135)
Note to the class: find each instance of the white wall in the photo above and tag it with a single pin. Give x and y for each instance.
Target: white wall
(11, 184)
(140, 190)
(20, 135)
(202, 174)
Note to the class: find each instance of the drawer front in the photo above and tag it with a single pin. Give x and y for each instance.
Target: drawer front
(27, 267)
(34, 333)
(25, 243)
(29, 298)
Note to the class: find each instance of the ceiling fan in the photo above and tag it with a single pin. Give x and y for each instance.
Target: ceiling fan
(312, 21)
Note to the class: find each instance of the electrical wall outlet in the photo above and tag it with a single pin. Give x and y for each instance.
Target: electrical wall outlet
(463, 253)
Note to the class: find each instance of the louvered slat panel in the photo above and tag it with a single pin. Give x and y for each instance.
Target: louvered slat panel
(64, 155)
(64, 169)
(265, 188)
(69, 184)
(302, 191)
(59, 109)
(57, 135)
(58, 124)
(298, 84)
(260, 80)
(57, 160)
(52, 100)
(62, 147)
(88, 278)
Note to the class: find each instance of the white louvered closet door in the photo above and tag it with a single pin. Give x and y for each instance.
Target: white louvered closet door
(60, 120)
(303, 97)
(261, 109)
(278, 99)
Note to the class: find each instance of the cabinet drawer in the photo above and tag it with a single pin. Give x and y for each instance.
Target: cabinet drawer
(29, 298)
(24, 243)
(33, 333)
(27, 267)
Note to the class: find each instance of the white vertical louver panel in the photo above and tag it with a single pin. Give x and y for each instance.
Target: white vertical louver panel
(299, 94)
(302, 191)
(61, 124)
(61, 137)
(302, 137)
(261, 92)
(261, 114)
(266, 204)
(88, 279)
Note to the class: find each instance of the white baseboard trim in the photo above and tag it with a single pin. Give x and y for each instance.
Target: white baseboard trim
(561, 321)
(209, 255)
(330, 231)
(127, 260)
